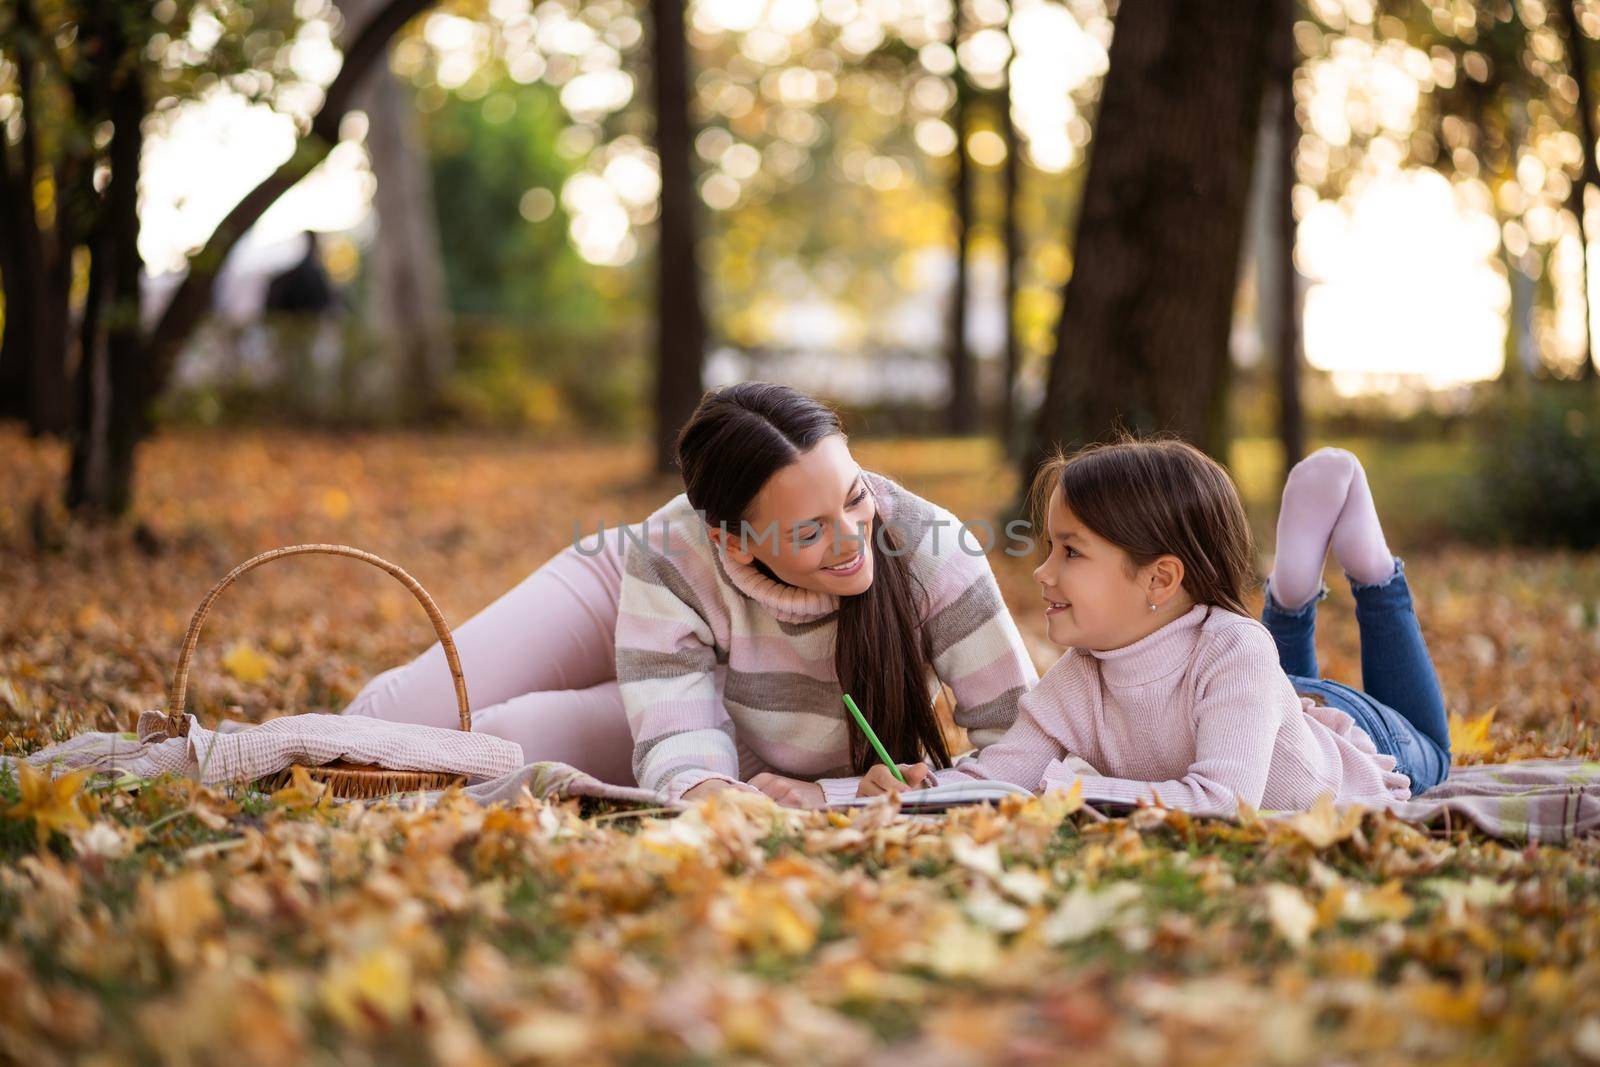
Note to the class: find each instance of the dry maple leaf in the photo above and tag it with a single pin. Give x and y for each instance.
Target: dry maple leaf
(1323, 824)
(1470, 737)
(302, 793)
(1086, 909)
(1056, 803)
(1291, 914)
(53, 804)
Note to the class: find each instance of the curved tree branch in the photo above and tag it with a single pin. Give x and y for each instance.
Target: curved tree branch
(193, 296)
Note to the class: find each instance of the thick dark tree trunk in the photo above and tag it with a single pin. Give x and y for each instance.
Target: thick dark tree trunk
(1010, 439)
(111, 370)
(1571, 31)
(1291, 413)
(20, 290)
(91, 385)
(1146, 315)
(680, 315)
(961, 417)
(43, 266)
(50, 397)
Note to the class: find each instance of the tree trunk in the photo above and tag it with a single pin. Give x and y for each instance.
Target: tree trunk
(1514, 367)
(1571, 30)
(111, 369)
(91, 381)
(680, 315)
(20, 291)
(1286, 290)
(1009, 438)
(407, 313)
(962, 415)
(1146, 315)
(44, 264)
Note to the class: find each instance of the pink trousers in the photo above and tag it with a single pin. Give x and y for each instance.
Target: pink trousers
(540, 664)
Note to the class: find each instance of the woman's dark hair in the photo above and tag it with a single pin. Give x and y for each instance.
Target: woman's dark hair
(1153, 497)
(738, 438)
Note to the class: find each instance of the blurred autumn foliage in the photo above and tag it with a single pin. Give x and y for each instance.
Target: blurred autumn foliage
(163, 922)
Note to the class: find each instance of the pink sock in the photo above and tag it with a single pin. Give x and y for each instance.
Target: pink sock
(1313, 496)
(1357, 539)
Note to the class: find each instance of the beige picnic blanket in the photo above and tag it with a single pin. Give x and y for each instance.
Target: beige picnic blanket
(242, 752)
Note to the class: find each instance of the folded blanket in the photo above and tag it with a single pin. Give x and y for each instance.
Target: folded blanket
(242, 752)
(1546, 800)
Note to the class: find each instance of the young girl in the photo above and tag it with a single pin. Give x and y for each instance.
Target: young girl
(1168, 689)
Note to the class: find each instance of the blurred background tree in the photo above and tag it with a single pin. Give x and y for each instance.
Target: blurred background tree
(83, 82)
(596, 209)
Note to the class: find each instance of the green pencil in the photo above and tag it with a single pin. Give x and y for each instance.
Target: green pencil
(861, 721)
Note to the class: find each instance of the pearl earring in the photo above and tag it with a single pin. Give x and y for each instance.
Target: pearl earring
(1152, 607)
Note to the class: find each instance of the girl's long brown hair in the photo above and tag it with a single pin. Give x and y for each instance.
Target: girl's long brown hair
(737, 438)
(1153, 497)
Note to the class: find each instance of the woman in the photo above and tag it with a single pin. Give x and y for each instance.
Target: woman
(708, 647)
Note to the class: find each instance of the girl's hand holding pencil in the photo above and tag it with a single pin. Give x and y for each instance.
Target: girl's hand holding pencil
(880, 779)
(886, 776)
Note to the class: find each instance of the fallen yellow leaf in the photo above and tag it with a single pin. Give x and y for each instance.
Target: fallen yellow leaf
(302, 792)
(53, 804)
(246, 663)
(335, 503)
(378, 984)
(1470, 737)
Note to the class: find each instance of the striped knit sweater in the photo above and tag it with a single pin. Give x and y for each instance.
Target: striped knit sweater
(725, 672)
(1198, 715)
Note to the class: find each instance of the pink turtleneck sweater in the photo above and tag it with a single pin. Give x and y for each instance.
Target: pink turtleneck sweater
(1198, 716)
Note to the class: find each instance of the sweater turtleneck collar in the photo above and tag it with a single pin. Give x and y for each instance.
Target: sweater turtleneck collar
(788, 603)
(1154, 655)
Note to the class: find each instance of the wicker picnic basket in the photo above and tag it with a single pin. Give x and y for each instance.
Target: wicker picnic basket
(345, 779)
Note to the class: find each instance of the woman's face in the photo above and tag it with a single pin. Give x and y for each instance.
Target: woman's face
(811, 522)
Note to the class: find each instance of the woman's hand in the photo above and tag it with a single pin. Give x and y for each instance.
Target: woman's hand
(704, 789)
(790, 792)
(879, 780)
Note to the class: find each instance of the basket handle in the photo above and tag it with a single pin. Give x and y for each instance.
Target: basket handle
(178, 722)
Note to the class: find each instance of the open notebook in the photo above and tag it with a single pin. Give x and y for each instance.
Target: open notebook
(942, 796)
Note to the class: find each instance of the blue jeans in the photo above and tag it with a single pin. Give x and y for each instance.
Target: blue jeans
(1401, 707)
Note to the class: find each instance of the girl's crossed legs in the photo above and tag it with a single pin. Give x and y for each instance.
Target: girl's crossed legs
(1326, 500)
(540, 667)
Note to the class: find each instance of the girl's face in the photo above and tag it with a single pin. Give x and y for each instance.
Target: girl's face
(1094, 598)
(811, 523)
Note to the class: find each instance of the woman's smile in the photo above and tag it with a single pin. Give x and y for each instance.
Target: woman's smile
(848, 567)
